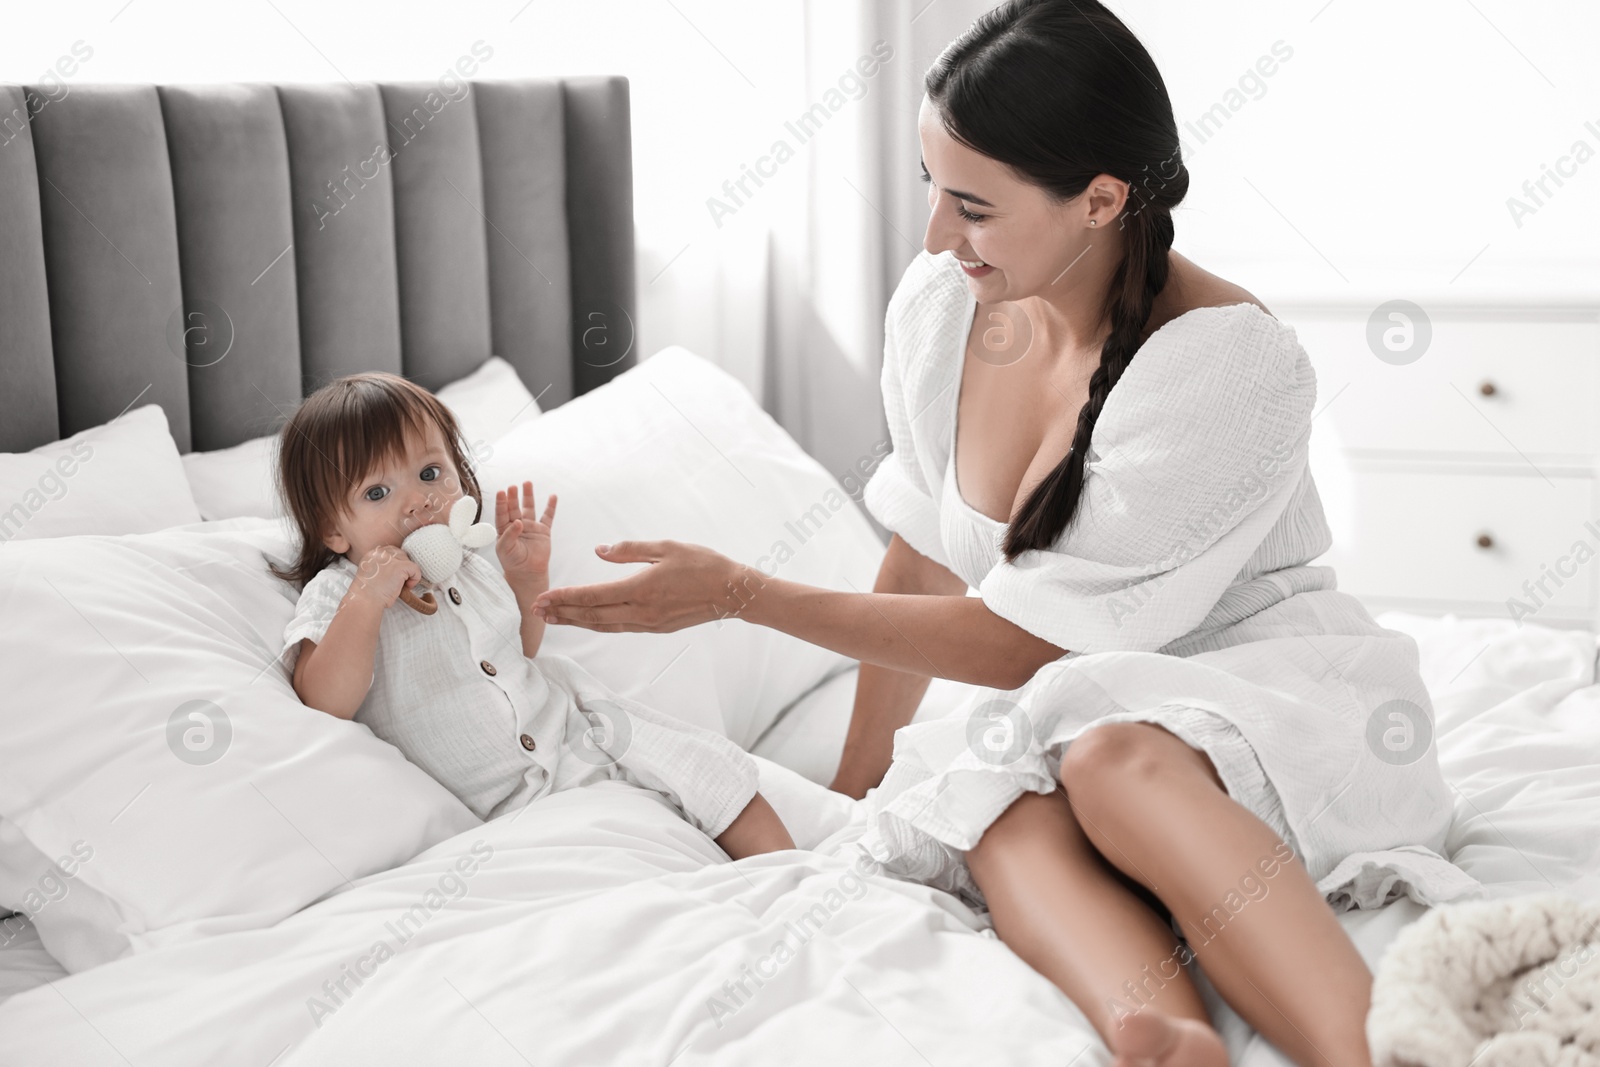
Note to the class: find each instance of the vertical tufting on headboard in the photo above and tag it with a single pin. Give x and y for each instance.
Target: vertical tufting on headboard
(221, 250)
(27, 374)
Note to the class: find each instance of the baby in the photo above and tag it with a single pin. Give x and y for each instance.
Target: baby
(463, 692)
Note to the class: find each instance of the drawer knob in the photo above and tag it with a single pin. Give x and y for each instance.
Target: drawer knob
(1485, 541)
(1487, 389)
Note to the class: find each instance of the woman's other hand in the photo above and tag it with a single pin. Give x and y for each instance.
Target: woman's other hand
(685, 585)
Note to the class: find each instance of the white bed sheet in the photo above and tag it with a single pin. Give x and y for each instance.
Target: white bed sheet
(1518, 721)
(1517, 712)
(604, 929)
(601, 928)
(24, 963)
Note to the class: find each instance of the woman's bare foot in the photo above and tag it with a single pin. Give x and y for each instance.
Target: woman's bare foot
(1148, 1039)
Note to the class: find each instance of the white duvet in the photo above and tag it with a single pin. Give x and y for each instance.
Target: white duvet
(597, 927)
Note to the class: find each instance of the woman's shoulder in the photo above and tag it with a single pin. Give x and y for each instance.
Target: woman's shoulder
(1204, 309)
(1211, 366)
(1229, 342)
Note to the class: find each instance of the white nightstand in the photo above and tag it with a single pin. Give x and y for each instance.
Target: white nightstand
(1464, 480)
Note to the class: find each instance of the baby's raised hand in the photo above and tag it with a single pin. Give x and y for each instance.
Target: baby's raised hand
(524, 543)
(380, 576)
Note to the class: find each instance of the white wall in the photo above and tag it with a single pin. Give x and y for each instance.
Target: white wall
(1386, 147)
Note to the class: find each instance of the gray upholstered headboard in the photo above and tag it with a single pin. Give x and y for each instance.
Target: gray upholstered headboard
(223, 250)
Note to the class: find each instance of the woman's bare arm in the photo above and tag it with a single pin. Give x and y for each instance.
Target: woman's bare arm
(954, 637)
(887, 699)
(334, 676)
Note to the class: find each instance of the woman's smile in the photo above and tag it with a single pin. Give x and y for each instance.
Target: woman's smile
(975, 268)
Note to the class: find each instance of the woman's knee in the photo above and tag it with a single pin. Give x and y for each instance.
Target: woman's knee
(1116, 757)
(1114, 752)
(1033, 820)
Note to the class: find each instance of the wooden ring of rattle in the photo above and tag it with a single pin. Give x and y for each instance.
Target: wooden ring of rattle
(425, 603)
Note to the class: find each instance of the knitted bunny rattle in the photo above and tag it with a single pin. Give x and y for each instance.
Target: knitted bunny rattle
(439, 549)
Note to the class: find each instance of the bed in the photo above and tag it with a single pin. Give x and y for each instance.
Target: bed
(189, 262)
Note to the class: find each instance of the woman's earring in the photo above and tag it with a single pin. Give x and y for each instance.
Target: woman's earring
(1093, 222)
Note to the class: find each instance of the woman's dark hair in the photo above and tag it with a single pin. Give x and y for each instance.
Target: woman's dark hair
(1061, 92)
(338, 436)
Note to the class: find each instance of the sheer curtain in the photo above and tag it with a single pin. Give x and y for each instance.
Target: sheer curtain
(788, 292)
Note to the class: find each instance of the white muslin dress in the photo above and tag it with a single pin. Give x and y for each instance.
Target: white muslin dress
(1183, 596)
(454, 692)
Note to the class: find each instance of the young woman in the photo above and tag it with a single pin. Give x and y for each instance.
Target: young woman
(1190, 741)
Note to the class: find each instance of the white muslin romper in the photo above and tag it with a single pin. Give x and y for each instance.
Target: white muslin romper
(1182, 595)
(454, 692)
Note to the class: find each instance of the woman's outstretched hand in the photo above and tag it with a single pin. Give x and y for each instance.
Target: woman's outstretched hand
(685, 585)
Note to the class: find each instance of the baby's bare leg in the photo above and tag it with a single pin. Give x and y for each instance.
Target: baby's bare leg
(755, 830)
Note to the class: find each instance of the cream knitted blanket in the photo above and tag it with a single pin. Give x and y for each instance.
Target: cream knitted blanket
(1502, 983)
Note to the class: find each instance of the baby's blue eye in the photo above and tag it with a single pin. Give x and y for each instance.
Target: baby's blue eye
(383, 490)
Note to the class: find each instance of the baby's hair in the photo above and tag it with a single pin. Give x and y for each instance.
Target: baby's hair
(341, 434)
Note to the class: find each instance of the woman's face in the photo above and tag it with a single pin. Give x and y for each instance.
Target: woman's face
(984, 214)
(398, 497)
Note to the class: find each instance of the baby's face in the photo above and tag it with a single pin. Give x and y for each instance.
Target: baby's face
(398, 497)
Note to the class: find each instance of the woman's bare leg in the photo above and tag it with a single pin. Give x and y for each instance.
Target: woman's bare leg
(1155, 808)
(1058, 904)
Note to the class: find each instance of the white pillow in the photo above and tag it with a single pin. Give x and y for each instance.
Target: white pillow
(677, 449)
(236, 482)
(122, 642)
(239, 481)
(121, 477)
(489, 403)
